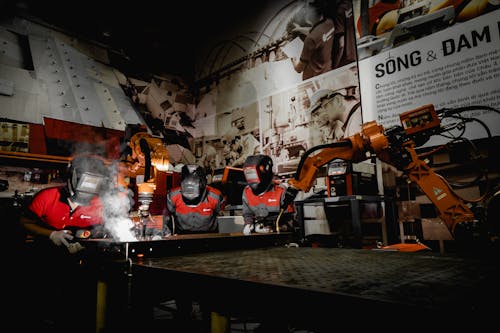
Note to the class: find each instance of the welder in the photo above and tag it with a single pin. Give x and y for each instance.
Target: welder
(263, 198)
(55, 218)
(194, 206)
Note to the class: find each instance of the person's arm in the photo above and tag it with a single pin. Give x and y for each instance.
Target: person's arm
(34, 228)
(30, 223)
(222, 202)
(248, 144)
(168, 217)
(248, 217)
(300, 30)
(339, 51)
(298, 65)
(168, 222)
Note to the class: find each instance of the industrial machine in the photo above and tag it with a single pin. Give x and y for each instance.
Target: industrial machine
(146, 152)
(396, 146)
(230, 181)
(347, 178)
(147, 158)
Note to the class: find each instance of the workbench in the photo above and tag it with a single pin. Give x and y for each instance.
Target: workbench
(123, 301)
(317, 287)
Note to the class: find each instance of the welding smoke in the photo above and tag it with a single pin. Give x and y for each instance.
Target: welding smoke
(117, 203)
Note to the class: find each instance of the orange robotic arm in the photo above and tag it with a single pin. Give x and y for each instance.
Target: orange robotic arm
(351, 149)
(452, 209)
(147, 152)
(394, 147)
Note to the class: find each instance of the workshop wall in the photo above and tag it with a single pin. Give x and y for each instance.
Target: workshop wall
(46, 74)
(256, 102)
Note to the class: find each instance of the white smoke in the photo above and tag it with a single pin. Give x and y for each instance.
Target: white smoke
(116, 208)
(117, 201)
(116, 220)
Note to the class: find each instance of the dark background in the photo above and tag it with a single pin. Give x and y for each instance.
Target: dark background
(144, 37)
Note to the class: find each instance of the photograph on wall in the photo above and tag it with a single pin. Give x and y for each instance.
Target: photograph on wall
(167, 108)
(237, 138)
(263, 99)
(385, 24)
(293, 41)
(313, 113)
(321, 37)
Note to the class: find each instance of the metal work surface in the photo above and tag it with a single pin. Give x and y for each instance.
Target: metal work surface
(180, 244)
(337, 277)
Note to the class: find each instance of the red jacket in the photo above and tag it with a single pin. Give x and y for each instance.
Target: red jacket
(51, 206)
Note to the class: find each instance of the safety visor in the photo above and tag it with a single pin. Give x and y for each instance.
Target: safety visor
(190, 187)
(90, 183)
(88, 186)
(252, 174)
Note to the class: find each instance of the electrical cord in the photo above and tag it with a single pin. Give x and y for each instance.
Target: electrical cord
(446, 132)
(451, 111)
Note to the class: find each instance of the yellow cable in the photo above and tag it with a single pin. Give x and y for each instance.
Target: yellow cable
(278, 220)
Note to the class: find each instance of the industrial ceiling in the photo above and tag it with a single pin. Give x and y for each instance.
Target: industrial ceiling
(144, 37)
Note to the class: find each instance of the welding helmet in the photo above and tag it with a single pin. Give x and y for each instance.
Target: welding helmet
(87, 177)
(193, 183)
(258, 170)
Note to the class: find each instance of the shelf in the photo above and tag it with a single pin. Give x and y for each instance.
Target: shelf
(352, 202)
(34, 157)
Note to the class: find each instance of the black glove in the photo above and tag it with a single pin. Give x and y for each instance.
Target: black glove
(289, 197)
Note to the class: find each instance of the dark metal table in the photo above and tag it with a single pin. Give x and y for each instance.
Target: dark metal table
(108, 249)
(112, 263)
(310, 285)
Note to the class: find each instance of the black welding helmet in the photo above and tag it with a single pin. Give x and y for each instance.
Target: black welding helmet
(193, 183)
(258, 170)
(87, 177)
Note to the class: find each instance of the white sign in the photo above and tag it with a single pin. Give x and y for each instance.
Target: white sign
(455, 67)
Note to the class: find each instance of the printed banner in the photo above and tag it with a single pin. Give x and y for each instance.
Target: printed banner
(455, 67)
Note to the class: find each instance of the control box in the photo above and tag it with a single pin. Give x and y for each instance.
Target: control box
(347, 178)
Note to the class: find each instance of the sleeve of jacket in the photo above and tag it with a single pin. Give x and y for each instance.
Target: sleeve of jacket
(248, 216)
(167, 217)
(220, 198)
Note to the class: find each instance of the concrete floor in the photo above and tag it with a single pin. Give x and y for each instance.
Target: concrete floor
(164, 319)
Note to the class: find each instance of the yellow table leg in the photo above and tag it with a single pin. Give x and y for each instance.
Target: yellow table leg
(218, 323)
(102, 290)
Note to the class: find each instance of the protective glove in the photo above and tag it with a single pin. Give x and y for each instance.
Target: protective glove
(61, 237)
(247, 229)
(75, 247)
(289, 197)
(262, 229)
(154, 233)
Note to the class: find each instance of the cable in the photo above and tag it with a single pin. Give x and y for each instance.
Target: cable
(466, 200)
(446, 112)
(278, 220)
(465, 119)
(460, 126)
(431, 152)
(304, 157)
(452, 113)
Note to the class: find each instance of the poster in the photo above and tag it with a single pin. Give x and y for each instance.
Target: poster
(454, 67)
(316, 112)
(269, 103)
